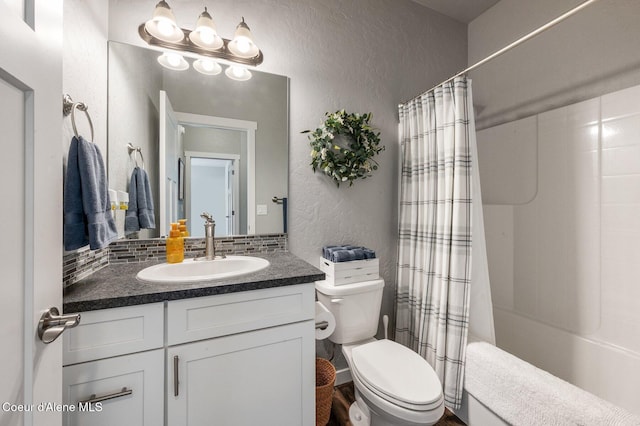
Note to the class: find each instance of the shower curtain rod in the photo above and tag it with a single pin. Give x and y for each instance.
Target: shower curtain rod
(516, 43)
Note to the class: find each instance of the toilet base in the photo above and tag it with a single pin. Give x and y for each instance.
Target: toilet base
(361, 415)
(357, 416)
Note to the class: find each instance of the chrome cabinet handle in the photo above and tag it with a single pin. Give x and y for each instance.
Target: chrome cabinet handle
(52, 324)
(93, 398)
(176, 389)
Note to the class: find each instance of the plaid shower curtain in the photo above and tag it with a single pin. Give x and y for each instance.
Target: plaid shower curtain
(434, 246)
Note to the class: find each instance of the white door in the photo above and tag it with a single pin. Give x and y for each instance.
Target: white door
(31, 252)
(170, 151)
(213, 188)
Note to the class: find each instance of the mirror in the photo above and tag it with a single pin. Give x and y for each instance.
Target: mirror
(223, 133)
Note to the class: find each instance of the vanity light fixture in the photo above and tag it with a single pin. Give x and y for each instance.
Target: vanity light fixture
(238, 72)
(242, 44)
(173, 61)
(163, 24)
(162, 31)
(205, 34)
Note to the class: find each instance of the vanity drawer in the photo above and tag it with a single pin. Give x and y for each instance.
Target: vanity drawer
(201, 318)
(125, 390)
(111, 332)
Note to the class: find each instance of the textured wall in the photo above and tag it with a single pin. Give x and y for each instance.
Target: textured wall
(591, 53)
(362, 55)
(84, 68)
(135, 120)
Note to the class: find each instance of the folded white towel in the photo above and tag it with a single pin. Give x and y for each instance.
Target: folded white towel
(522, 394)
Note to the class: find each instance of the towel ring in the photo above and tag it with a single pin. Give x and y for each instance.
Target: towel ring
(136, 151)
(69, 108)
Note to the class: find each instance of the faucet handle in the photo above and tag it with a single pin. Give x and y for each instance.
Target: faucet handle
(207, 217)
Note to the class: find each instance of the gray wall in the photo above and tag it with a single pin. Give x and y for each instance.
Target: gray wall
(591, 53)
(133, 118)
(361, 55)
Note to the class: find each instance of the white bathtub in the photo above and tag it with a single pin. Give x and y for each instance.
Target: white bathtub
(501, 389)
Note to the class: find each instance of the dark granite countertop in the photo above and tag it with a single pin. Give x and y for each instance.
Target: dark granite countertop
(116, 285)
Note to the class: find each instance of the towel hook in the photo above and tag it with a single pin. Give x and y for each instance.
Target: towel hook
(69, 108)
(136, 151)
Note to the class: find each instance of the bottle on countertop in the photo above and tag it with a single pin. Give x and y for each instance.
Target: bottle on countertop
(175, 245)
(182, 226)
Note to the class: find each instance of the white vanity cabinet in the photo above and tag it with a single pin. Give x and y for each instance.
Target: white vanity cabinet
(253, 362)
(113, 370)
(243, 358)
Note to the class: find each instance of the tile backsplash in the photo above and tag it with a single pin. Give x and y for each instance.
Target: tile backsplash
(82, 263)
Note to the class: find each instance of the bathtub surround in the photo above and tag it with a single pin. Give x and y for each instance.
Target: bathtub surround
(563, 253)
(436, 231)
(587, 56)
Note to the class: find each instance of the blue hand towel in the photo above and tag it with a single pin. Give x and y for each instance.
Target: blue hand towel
(347, 255)
(327, 251)
(87, 208)
(140, 214)
(368, 253)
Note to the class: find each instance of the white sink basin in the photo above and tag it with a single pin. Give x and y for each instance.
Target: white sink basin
(201, 270)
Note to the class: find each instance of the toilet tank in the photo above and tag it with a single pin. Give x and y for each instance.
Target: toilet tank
(356, 308)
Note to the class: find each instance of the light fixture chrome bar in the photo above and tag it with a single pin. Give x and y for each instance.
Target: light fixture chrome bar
(516, 43)
(186, 46)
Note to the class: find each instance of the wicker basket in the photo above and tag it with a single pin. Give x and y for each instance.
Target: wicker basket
(325, 379)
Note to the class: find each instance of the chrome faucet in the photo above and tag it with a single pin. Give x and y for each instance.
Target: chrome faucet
(209, 234)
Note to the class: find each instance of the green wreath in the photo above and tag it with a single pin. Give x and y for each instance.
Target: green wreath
(343, 147)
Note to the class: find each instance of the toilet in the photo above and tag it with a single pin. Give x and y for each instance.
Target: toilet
(393, 384)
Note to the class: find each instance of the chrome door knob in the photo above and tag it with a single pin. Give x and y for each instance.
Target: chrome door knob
(52, 324)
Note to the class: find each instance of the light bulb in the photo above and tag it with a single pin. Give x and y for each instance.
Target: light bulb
(163, 24)
(237, 72)
(165, 27)
(243, 44)
(206, 35)
(207, 66)
(174, 60)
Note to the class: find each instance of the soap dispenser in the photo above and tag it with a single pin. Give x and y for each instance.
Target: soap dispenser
(175, 245)
(182, 226)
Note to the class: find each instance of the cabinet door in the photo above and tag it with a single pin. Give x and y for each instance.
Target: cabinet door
(113, 378)
(264, 377)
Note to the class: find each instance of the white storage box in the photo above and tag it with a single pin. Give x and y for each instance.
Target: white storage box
(350, 272)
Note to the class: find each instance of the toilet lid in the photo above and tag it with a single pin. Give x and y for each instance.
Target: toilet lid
(397, 373)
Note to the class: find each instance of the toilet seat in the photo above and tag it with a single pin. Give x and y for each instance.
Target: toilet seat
(396, 374)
